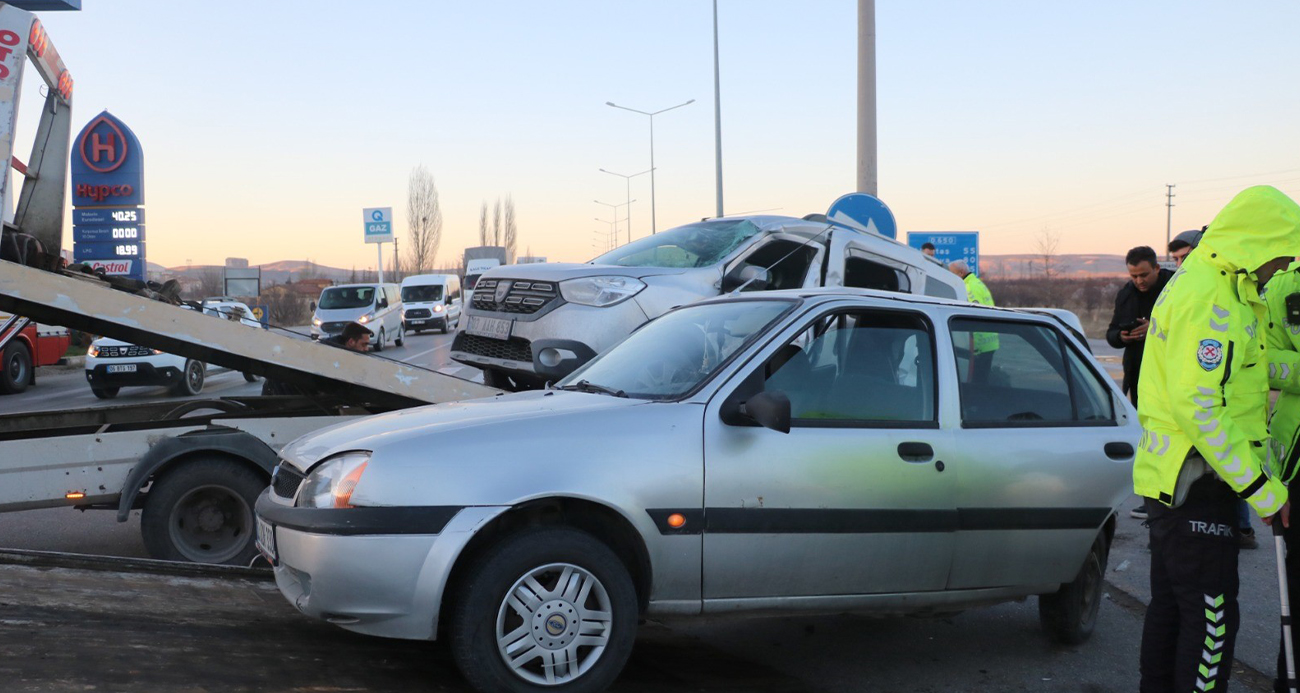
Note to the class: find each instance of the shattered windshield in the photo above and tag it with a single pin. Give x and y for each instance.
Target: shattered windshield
(672, 355)
(693, 245)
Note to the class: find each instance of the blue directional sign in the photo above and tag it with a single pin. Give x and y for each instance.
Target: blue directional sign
(950, 245)
(84, 252)
(108, 215)
(104, 234)
(864, 212)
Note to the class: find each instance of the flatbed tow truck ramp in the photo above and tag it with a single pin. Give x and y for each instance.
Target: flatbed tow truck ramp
(92, 623)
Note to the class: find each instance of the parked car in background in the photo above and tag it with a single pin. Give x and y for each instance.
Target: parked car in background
(376, 306)
(24, 346)
(814, 450)
(530, 324)
(431, 302)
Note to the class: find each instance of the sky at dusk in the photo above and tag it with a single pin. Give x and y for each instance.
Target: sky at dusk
(268, 126)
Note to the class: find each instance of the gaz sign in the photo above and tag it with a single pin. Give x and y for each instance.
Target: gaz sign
(378, 223)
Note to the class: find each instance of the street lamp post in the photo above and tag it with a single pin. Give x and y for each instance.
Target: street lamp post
(628, 179)
(613, 208)
(654, 228)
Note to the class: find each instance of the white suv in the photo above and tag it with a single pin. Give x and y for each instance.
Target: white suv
(112, 364)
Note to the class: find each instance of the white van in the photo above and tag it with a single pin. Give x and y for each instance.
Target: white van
(431, 301)
(377, 306)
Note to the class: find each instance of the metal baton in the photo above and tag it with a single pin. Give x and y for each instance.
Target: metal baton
(1279, 543)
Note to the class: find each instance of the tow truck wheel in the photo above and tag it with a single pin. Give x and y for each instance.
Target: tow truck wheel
(202, 512)
(191, 379)
(1069, 614)
(379, 344)
(105, 392)
(546, 609)
(17, 373)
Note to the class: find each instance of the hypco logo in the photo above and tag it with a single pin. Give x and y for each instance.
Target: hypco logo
(1211, 528)
(112, 266)
(503, 288)
(103, 146)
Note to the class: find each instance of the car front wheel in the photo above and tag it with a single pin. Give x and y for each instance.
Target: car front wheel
(549, 609)
(1070, 614)
(379, 344)
(191, 379)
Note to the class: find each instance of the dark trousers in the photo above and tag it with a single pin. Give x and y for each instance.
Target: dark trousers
(1191, 624)
(1292, 537)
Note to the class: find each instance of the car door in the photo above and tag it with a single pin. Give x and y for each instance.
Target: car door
(854, 500)
(1046, 453)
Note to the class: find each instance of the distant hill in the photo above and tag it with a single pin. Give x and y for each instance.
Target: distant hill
(1028, 265)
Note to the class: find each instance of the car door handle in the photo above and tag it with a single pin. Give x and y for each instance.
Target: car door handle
(915, 452)
(1119, 451)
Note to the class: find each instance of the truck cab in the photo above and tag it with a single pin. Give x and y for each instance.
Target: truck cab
(530, 324)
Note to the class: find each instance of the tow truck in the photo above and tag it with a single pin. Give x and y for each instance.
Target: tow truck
(194, 468)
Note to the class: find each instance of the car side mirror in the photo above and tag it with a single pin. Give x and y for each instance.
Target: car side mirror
(756, 277)
(770, 410)
(313, 306)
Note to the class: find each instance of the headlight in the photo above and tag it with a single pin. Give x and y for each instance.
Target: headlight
(437, 308)
(366, 318)
(93, 351)
(331, 483)
(316, 322)
(156, 352)
(600, 291)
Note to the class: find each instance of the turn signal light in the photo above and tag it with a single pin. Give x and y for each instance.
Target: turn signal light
(676, 520)
(343, 494)
(74, 495)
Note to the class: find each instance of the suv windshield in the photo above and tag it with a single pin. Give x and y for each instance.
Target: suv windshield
(422, 294)
(693, 245)
(672, 355)
(338, 297)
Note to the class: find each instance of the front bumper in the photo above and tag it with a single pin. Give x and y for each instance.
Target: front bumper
(550, 345)
(381, 574)
(145, 374)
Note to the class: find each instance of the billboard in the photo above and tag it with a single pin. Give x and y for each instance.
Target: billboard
(107, 194)
(950, 245)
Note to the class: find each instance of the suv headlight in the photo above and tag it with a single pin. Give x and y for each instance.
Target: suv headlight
(366, 318)
(600, 291)
(93, 351)
(331, 483)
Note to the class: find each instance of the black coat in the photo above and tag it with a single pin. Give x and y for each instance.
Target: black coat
(1131, 304)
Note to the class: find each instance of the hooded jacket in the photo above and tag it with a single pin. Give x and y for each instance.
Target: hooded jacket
(1204, 380)
(1283, 342)
(978, 292)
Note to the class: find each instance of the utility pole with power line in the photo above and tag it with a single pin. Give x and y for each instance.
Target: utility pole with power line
(1169, 217)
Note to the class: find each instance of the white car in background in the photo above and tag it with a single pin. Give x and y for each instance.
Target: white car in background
(112, 364)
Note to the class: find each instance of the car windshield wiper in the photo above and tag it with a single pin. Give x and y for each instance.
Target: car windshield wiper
(588, 386)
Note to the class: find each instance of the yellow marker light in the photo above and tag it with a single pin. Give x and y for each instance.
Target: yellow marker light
(676, 520)
(74, 495)
(343, 494)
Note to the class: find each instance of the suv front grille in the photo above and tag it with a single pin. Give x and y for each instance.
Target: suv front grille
(333, 327)
(419, 313)
(286, 481)
(120, 351)
(513, 349)
(524, 296)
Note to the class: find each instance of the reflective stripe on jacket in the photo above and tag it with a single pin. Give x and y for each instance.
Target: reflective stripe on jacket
(1204, 373)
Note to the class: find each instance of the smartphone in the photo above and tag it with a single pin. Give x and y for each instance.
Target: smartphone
(1132, 325)
(1293, 309)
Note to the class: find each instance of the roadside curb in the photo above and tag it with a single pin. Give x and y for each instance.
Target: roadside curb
(68, 363)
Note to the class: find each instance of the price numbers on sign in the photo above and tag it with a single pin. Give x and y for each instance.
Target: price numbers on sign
(121, 215)
(128, 233)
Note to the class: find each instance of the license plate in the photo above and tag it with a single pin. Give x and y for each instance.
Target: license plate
(266, 540)
(124, 368)
(492, 328)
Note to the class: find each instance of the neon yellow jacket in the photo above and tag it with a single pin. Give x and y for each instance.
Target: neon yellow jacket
(1283, 342)
(978, 292)
(1204, 378)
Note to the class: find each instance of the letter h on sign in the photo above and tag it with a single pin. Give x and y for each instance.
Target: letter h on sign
(97, 147)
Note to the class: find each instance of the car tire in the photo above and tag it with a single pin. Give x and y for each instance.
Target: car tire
(192, 378)
(250, 377)
(202, 512)
(379, 344)
(401, 337)
(105, 392)
(1070, 614)
(17, 372)
(482, 614)
(446, 326)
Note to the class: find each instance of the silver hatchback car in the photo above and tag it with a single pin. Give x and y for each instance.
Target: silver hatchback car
(825, 450)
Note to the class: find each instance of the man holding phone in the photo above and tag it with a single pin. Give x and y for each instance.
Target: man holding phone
(1128, 325)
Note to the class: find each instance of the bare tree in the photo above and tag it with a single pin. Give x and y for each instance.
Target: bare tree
(1046, 244)
(284, 306)
(423, 219)
(212, 282)
(496, 224)
(510, 231)
(482, 224)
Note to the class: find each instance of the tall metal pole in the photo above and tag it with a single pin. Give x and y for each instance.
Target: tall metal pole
(654, 228)
(629, 209)
(717, 107)
(868, 177)
(380, 248)
(1169, 218)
